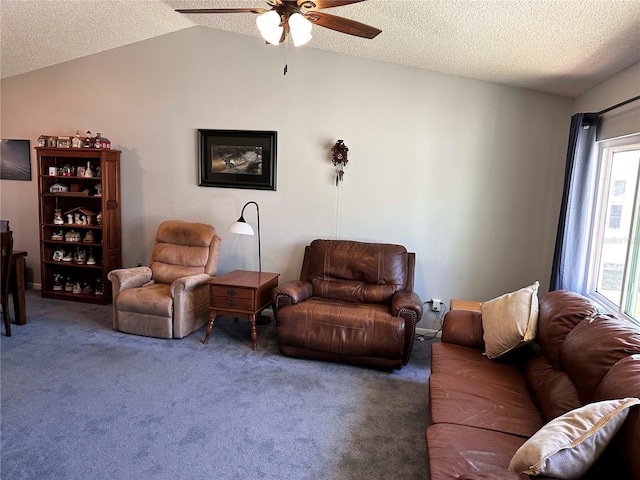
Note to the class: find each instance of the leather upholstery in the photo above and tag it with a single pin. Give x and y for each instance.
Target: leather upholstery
(169, 299)
(354, 303)
(483, 410)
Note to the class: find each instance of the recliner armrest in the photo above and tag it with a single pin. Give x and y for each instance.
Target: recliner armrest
(189, 282)
(404, 300)
(124, 278)
(291, 293)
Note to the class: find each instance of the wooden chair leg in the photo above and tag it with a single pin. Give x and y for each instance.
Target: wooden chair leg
(7, 320)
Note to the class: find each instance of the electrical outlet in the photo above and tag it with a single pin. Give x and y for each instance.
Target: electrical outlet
(436, 304)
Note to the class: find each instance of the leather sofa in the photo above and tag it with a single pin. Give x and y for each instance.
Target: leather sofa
(354, 303)
(482, 410)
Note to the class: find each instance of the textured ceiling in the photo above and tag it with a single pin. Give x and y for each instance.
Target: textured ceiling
(563, 47)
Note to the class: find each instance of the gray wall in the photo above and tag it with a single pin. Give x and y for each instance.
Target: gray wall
(467, 174)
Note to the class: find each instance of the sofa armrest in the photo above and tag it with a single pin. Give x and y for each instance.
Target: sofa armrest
(124, 278)
(291, 293)
(189, 282)
(463, 327)
(407, 301)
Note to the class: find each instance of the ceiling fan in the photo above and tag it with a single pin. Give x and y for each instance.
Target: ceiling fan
(296, 17)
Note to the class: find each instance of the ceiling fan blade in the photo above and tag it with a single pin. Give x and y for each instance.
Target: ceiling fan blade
(320, 4)
(222, 10)
(344, 25)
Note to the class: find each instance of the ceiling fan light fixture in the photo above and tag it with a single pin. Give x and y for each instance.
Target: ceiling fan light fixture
(269, 25)
(300, 29)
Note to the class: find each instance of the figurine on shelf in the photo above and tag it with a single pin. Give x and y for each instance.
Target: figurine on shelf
(57, 235)
(99, 290)
(88, 171)
(80, 256)
(72, 236)
(86, 288)
(70, 218)
(87, 140)
(91, 259)
(57, 217)
(57, 282)
(88, 237)
(68, 286)
(58, 255)
(68, 257)
(77, 288)
(99, 218)
(98, 140)
(76, 141)
(98, 188)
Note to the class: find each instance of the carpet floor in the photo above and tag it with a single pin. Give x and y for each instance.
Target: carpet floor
(82, 401)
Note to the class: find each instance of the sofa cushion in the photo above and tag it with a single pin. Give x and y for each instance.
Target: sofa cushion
(470, 364)
(475, 403)
(593, 347)
(559, 311)
(455, 450)
(510, 320)
(554, 391)
(567, 446)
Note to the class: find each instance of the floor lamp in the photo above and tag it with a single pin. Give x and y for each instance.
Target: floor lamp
(241, 227)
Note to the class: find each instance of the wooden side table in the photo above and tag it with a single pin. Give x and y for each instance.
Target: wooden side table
(465, 305)
(240, 292)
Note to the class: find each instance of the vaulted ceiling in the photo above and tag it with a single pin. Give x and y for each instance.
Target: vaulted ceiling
(562, 47)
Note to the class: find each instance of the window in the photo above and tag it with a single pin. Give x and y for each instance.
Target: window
(614, 274)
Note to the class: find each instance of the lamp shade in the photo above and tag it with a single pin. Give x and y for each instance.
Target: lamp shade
(269, 26)
(241, 228)
(300, 29)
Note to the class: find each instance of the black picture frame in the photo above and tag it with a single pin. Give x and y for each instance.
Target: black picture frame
(237, 159)
(15, 159)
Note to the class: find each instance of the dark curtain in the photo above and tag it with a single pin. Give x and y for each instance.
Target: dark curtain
(570, 259)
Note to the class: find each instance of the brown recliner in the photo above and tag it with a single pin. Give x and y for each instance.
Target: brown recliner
(354, 303)
(170, 298)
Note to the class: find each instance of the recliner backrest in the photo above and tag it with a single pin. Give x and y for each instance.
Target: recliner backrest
(183, 249)
(356, 271)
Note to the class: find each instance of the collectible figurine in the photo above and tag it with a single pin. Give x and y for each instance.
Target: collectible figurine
(77, 288)
(57, 282)
(57, 217)
(99, 289)
(68, 286)
(91, 260)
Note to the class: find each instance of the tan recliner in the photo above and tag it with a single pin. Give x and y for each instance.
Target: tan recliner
(170, 298)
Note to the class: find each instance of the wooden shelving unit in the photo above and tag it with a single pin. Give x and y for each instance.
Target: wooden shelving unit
(96, 194)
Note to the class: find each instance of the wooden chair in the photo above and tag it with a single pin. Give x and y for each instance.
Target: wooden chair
(7, 246)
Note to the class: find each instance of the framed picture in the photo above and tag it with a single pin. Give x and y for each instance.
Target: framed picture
(15, 159)
(237, 159)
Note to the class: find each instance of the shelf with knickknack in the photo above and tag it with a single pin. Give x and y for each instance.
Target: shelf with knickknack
(80, 239)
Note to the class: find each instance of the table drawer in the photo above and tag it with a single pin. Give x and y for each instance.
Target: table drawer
(231, 292)
(223, 303)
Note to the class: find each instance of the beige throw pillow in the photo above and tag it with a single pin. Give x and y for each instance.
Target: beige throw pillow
(510, 320)
(567, 446)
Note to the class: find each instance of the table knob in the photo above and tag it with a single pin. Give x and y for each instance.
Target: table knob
(231, 303)
(231, 292)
